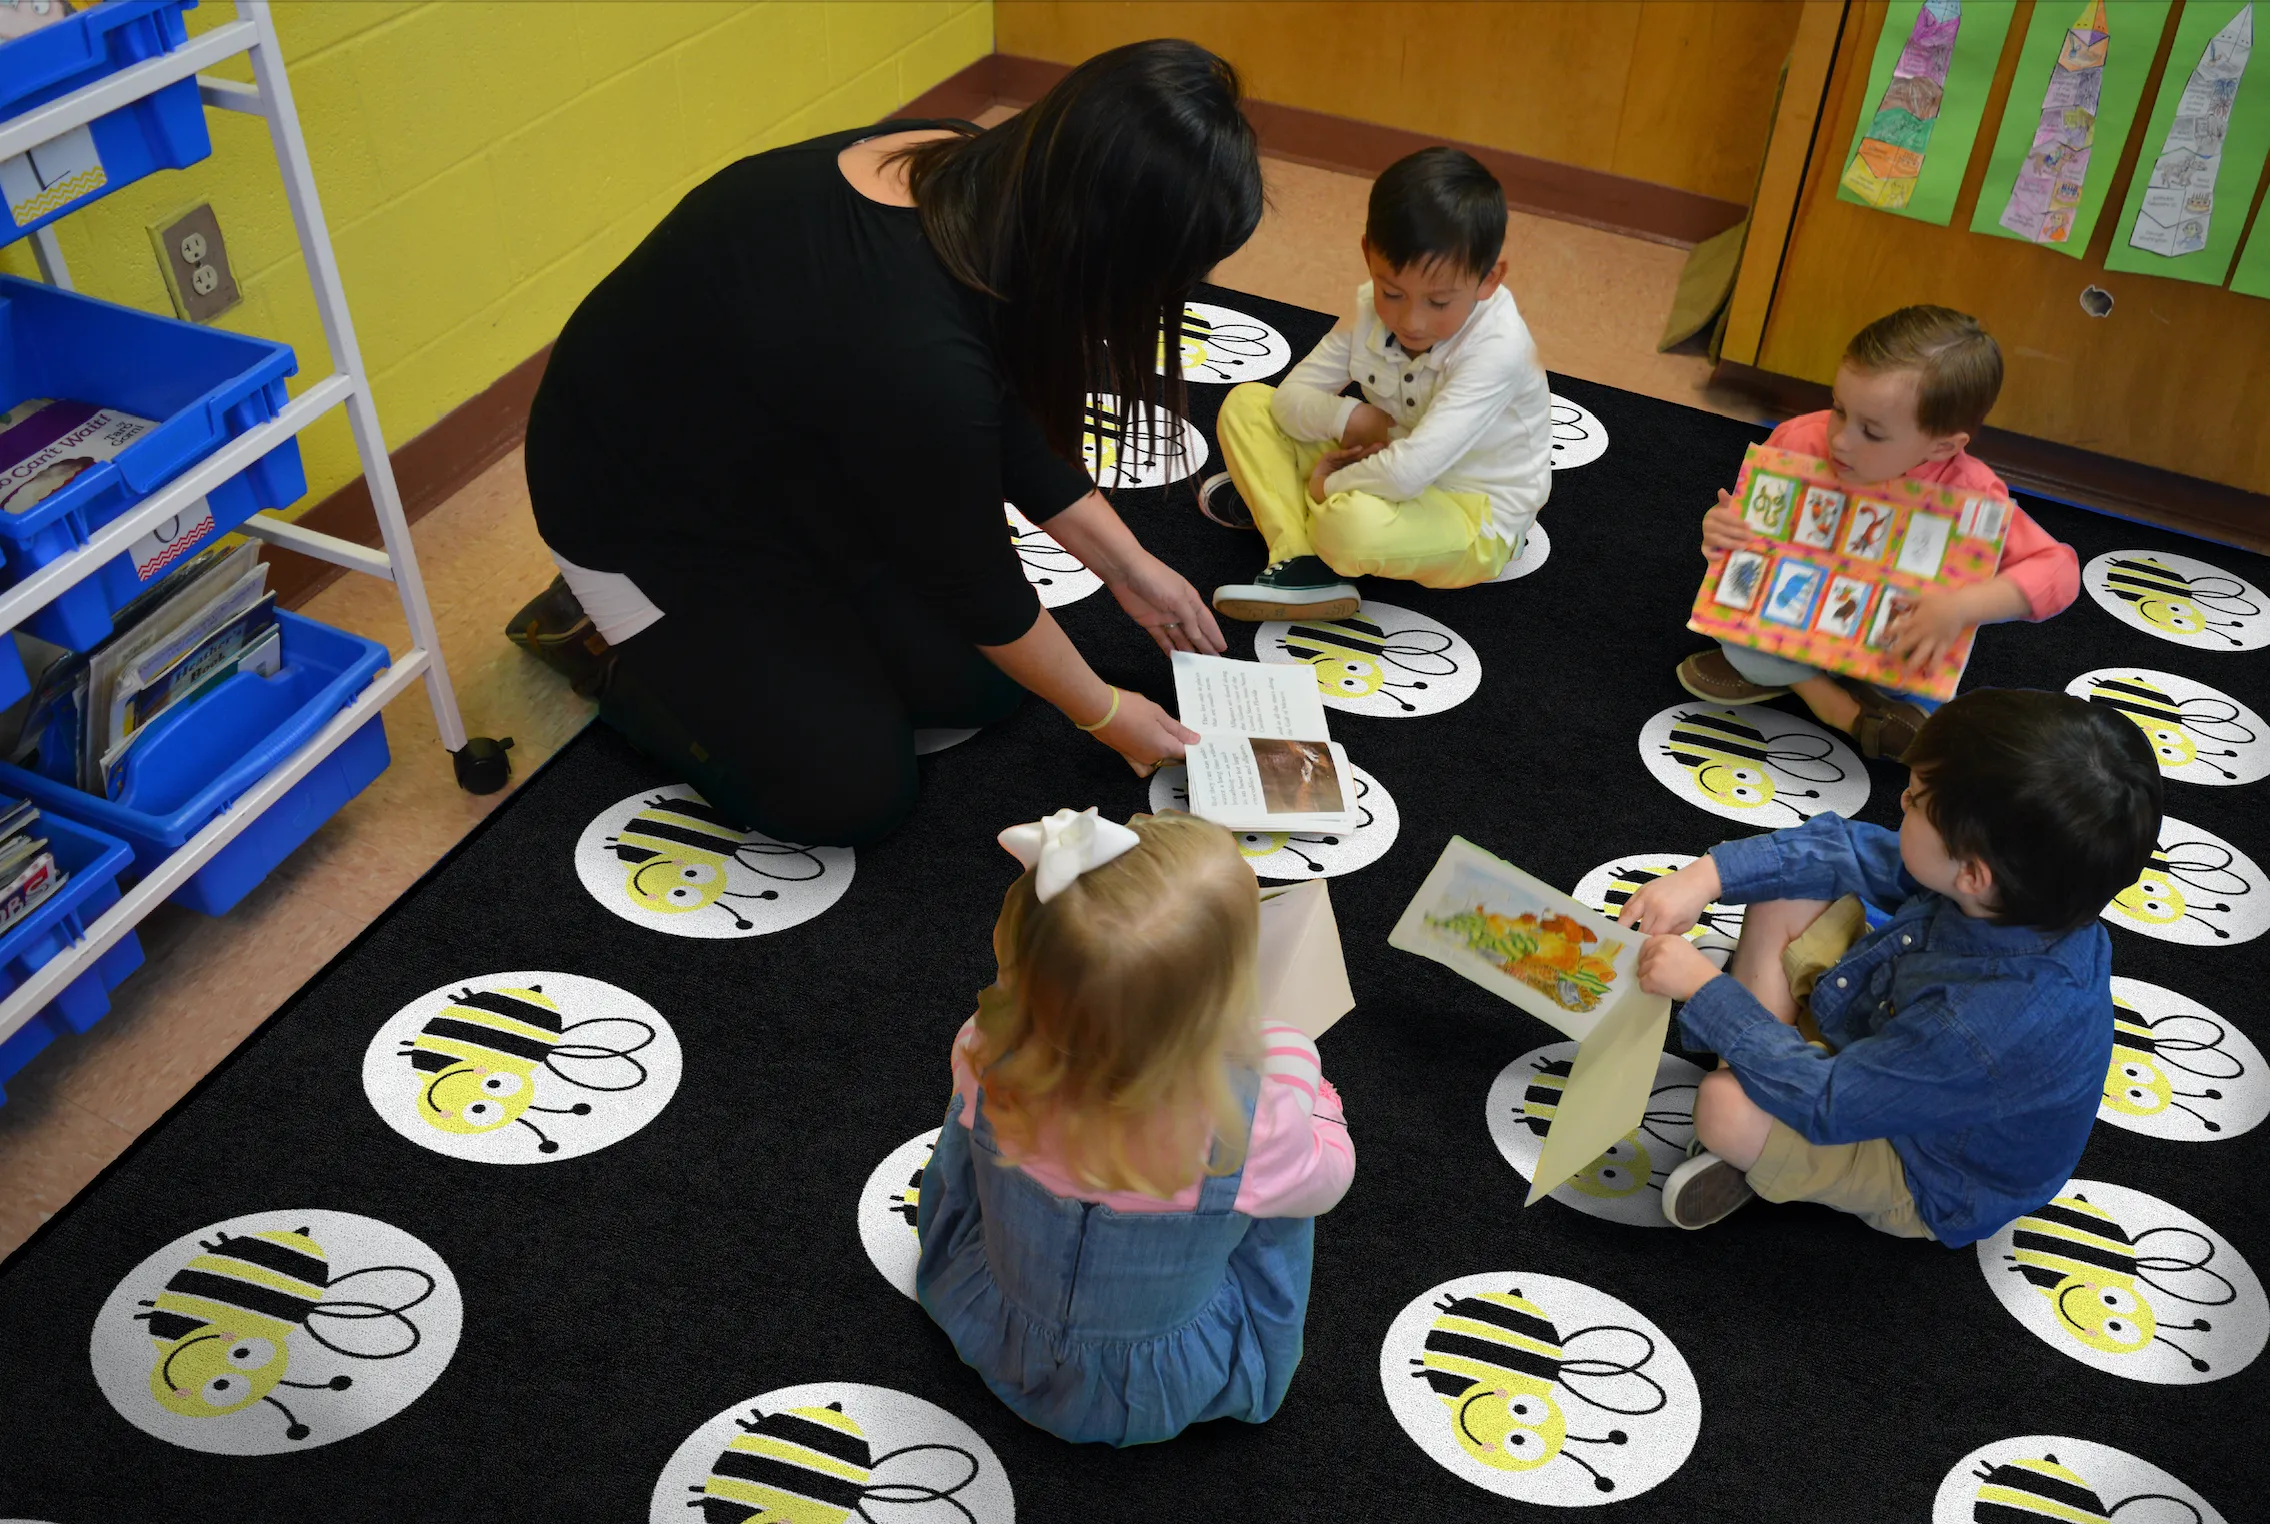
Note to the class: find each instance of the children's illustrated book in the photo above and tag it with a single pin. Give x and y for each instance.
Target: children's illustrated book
(1565, 964)
(46, 444)
(1264, 761)
(1830, 567)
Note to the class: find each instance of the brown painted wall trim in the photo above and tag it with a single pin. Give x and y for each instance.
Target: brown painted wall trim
(2188, 504)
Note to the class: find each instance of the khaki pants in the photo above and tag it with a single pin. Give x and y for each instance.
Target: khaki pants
(1867, 1178)
(1437, 539)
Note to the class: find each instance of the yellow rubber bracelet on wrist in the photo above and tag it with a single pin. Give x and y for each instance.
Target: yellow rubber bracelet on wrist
(1108, 715)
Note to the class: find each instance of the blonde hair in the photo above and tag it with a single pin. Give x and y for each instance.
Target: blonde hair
(1958, 365)
(1118, 1008)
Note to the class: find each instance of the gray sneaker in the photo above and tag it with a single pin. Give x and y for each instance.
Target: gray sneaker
(1302, 588)
(1703, 1190)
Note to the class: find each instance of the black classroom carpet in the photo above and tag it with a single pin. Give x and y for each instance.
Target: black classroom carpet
(614, 1302)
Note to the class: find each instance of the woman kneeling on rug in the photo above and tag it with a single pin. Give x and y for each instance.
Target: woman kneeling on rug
(1118, 1221)
(771, 449)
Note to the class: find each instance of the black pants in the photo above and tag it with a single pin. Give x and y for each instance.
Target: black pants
(792, 708)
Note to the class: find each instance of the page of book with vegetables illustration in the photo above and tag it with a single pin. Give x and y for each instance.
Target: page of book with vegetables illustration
(1830, 567)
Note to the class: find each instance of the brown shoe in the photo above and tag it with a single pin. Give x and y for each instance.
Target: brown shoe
(1887, 725)
(1703, 1190)
(1708, 675)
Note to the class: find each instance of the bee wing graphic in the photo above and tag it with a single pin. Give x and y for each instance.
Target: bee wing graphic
(602, 1061)
(2216, 718)
(780, 861)
(2206, 866)
(2174, 1261)
(1608, 1373)
(2199, 1042)
(919, 1483)
(363, 1313)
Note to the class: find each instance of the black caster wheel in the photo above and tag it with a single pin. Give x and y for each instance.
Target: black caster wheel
(482, 766)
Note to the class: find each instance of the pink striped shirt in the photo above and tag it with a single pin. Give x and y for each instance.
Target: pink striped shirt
(1298, 1160)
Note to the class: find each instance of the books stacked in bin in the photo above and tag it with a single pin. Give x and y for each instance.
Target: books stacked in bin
(28, 870)
(45, 444)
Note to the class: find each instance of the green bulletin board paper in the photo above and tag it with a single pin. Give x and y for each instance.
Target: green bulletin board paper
(2135, 27)
(2253, 277)
(2244, 148)
(1970, 74)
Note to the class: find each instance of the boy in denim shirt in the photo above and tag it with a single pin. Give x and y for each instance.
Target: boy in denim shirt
(1936, 1078)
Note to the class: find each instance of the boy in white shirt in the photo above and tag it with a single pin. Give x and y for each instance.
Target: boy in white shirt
(1436, 475)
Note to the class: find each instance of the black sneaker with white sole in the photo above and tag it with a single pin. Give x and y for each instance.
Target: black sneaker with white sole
(1301, 588)
(1219, 500)
(1704, 1189)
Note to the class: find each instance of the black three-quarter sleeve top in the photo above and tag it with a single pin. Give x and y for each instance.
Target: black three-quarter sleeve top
(782, 381)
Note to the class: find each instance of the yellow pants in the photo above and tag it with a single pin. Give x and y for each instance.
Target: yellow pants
(1437, 539)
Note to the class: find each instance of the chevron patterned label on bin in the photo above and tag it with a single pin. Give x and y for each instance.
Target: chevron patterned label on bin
(52, 176)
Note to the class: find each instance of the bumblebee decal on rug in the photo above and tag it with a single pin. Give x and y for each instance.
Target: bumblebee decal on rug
(1536, 546)
(1054, 572)
(1579, 438)
(2197, 889)
(1606, 888)
(887, 1206)
(1127, 448)
(834, 1452)
(276, 1331)
(1625, 1184)
(2198, 734)
(1301, 854)
(2192, 603)
(1540, 1389)
(666, 860)
(1225, 346)
(2130, 1285)
(1760, 766)
(520, 1068)
(2052, 1477)
(1379, 660)
(2178, 1070)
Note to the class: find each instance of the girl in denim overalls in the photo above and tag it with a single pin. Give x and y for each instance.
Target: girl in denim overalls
(1117, 1223)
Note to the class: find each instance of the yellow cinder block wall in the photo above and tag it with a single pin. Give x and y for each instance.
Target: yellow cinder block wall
(483, 164)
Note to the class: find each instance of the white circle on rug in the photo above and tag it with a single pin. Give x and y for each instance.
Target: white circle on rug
(2199, 734)
(2197, 889)
(2178, 1070)
(2193, 603)
(521, 1068)
(1055, 573)
(887, 1204)
(276, 1331)
(1625, 1184)
(1301, 854)
(1122, 448)
(1536, 547)
(1379, 660)
(1579, 438)
(929, 741)
(664, 859)
(836, 1449)
(1760, 766)
(2035, 1475)
(1545, 1412)
(1608, 886)
(1225, 346)
(2130, 1285)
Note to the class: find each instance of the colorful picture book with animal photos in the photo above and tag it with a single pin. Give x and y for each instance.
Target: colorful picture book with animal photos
(1830, 567)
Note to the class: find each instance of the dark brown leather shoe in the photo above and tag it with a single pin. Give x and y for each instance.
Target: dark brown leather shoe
(553, 628)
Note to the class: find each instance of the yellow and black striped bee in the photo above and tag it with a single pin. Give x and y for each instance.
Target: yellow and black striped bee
(484, 1048)
(2175, 729)
(679, 849)
(224, 1323)
(811, 1466)
(1352, 657)
(1728, 756)
(1496, 1360)
(1204, 340)
(1722, 921)
(2143, 1051)
(1629, 1164)
(1119, 443)
(906, 1202)
(2094, 1275)
(2026, 1490)
(2206, 866)
(2166, 599)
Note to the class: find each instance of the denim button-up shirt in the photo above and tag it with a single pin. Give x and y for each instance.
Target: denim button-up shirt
(1979, 1050)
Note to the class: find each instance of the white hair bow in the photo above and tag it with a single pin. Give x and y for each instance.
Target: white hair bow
(1065, 845)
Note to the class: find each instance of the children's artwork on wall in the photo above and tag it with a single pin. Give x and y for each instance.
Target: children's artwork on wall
(1054, 572)
(1301, 854)
(2197, 889)
(1817, 520)
(1756, 765)
(1740, 579)
(1926, 92)
(1224, 346)
(2202, 153)
(2199, 734)
(1625, 1184)
(1536, 545)
(2178, 1070)
(1126, 447)
(1379, 660)
(2190, 602)
(2054, 1476)
(888, 1203)
(1789, 600)
(668, 861)
(1579, 438)
(2052, 166)
(2129, 1285)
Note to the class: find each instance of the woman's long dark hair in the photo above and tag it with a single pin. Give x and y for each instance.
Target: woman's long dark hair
(1091, 217)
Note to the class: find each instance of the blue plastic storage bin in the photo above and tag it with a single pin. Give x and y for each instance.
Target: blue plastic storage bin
(193, 762)
(201, 386)
(163, 130)
(93, 862)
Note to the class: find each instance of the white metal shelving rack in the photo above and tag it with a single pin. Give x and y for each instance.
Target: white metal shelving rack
(480, 762)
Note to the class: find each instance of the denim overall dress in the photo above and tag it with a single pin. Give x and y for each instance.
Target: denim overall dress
(1094, 1324)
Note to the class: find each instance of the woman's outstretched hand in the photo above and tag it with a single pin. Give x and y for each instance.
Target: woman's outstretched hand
(1163, 602)
(1145, 734)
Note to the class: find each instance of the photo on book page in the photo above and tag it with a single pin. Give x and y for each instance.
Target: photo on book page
(1298, 777)
(1263, 783)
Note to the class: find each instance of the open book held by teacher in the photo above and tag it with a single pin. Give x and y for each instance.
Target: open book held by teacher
(1263, 761)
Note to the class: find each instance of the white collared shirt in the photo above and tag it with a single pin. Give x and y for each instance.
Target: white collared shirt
(1472, 414)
